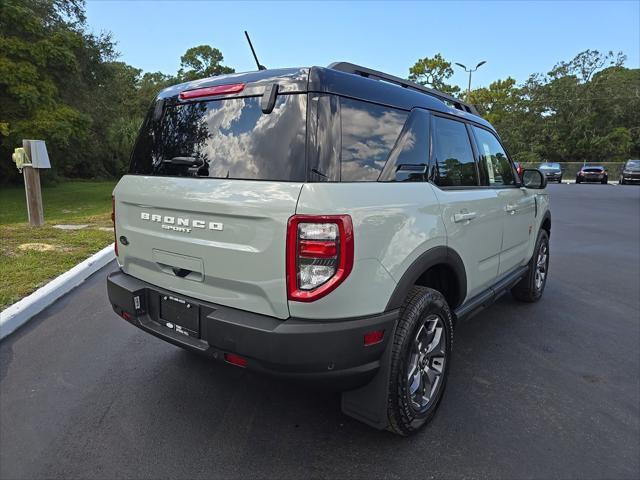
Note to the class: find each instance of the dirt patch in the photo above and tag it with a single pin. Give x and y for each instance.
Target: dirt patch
(36, 247)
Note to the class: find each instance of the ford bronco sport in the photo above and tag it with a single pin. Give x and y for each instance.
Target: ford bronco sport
(324, 224)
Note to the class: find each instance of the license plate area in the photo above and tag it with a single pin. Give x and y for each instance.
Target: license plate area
(179, 315)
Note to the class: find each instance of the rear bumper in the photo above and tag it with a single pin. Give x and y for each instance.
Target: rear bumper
(328, 353)
(594, 178)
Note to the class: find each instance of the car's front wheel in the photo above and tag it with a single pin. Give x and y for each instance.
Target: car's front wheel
(530, 288)
(420, 357)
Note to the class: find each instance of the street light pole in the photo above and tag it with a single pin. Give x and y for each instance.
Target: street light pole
(470, 70)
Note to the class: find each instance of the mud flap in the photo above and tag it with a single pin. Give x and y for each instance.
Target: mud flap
(368, 404)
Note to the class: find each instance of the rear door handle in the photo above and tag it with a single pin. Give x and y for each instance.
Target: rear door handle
(464, 217)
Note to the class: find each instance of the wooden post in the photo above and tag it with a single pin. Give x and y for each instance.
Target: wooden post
(33, 191)
(34, 196)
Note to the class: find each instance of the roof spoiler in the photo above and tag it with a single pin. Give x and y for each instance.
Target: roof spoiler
(376, 75)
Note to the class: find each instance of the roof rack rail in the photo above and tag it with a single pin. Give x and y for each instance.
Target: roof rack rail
(376, 75)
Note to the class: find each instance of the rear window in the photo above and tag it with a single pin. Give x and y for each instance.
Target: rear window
(593, 169)
(228, 138)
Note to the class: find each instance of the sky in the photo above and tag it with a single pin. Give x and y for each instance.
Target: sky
(515, 38)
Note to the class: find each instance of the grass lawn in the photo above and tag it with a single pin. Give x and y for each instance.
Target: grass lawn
(24, 270)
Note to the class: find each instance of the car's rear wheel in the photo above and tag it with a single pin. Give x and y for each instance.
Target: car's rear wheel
(420, 358)
(531, 287)
(605, 181)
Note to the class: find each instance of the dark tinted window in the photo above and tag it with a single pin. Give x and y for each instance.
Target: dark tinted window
(323, 138)
(368, 134)
(409, 158)
(549, 166)
(452, 154)
(493, 159)
(229, 138)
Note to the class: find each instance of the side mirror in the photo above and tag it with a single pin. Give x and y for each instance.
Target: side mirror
(532, 178)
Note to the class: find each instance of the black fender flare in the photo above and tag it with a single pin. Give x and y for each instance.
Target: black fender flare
(432, 257)
(545, 217)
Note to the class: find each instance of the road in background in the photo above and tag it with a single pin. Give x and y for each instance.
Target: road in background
(536, 391)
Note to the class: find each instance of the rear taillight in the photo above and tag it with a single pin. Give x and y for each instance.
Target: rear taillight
(113, 219)
(211, 91)
(319, 255)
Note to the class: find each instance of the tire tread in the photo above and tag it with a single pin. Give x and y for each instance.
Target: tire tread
(410, 312)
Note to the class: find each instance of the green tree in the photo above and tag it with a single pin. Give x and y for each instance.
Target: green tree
(587, 108)
(51, 72)
(62, 84)
(201, 62)
(434, 72)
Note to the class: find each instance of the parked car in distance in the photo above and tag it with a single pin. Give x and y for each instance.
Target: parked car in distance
(592, 173)
(630, 172)
(551, 171)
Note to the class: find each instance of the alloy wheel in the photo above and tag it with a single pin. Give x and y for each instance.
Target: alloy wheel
(426, 366)
(542, 264)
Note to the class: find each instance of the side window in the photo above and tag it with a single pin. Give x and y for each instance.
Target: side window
(493, 159)
(452, 154)
(409, 159)
(368, 134)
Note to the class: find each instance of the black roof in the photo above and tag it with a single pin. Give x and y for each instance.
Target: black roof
(373, 86)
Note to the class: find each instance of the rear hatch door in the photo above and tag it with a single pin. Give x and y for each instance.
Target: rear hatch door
(205, 207)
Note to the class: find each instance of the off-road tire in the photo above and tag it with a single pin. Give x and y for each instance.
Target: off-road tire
(526, 290)
(420, 304)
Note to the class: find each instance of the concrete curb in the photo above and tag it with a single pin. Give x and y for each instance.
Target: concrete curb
(21, 312)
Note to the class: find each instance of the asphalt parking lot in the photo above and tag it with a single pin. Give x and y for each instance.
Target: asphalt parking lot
(549, 390)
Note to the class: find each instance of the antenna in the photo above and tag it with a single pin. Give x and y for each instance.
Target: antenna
(260, 67)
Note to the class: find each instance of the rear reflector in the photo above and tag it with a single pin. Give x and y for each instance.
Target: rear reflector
(371, 338)
(113, 219)
(317, 249)
(126, 316)
(235, 360)
(211, 91)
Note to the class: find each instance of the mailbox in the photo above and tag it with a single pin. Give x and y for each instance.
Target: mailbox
(37, 152)
(30, 159)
